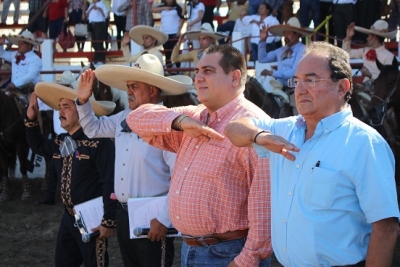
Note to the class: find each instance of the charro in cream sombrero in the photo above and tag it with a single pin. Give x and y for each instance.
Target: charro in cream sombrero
(205, 29)
(380, 28)
(67, 78)
(293, 24)
(137, 32)
(147, 69)
(25, 36)
(52, 93)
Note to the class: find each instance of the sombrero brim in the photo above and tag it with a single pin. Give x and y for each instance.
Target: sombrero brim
(137, 32)
(194, 35)
(52, 93)
(15, 38)
(389, 35)
(117, 76)
(278, 30)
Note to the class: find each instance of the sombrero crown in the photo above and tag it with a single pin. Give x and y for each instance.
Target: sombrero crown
(380, 28)
(52, 93)
(147, 69)
(137, 32)
(293, 24)
(25, 36)
(205, 29)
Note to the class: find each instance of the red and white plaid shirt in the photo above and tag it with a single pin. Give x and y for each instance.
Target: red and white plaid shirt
(216, 187)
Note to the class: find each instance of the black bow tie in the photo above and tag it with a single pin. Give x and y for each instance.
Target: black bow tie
(19, 57)
(125, 127)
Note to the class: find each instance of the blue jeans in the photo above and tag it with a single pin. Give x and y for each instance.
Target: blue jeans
(220, 254)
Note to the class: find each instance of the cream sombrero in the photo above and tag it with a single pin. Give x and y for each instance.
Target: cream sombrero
(137, 32)
(293, 24)
(67, 78)
(380, 28)
(52, 93)
(205, 29)
(25, 36)
(147, 69)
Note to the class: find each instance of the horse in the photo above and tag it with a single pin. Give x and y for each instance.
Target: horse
(274, 105)
(384, 107)
(13, 143)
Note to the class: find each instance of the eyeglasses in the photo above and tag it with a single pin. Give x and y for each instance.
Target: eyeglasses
(310, 82)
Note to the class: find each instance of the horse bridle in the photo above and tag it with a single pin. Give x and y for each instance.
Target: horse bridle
(385, 102)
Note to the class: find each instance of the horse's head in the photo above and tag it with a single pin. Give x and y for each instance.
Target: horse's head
(384, 88)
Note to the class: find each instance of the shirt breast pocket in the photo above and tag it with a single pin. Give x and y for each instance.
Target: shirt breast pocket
(320, 189)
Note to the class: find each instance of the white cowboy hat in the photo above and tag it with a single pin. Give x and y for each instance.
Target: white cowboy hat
(52, 93)
(147, 69)
(67, 78)
(293, 24)
(380, 28)
(137, 32)
(25, 36)
(205, 29)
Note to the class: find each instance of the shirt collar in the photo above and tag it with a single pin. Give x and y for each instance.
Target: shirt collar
(223, 111)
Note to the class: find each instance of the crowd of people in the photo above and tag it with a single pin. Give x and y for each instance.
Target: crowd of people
(238, 184)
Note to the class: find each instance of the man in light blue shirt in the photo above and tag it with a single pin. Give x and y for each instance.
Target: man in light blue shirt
(332, 177)
(288, 56)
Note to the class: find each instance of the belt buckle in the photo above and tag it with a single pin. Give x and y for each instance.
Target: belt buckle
(201, 240)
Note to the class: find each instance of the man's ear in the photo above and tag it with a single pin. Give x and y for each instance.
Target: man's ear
(344, 86)
(236, 75)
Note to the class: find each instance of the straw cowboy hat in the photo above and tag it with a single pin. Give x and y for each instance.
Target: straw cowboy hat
(52, 93)
(205, 29)
(67, 78)
(26, 36)
(137, 32)
(293, 24)
(147, 69)
(380, 28)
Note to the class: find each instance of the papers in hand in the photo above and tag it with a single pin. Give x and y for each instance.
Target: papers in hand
(88, 215)
(142, 210)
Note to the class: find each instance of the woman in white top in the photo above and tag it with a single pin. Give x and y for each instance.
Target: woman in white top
(194, 13)
(171, 24)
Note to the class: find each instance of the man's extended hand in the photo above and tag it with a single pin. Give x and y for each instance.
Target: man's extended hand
(157, 232)
(350, 30)
(126, 39)
(104, 232)
(33, 108)
(277, 144)
(197, 129)
(264, 33)
(85, 86)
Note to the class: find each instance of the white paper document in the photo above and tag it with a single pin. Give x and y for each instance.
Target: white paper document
(142, 210)
(90, 214)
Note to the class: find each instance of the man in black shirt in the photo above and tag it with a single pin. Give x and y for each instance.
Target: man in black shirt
(85, 170)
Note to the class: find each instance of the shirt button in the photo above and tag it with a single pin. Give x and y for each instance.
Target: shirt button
(284, 249)
(284, 220)
(326, 131)
(127, 149)
(177, 192)
(297, 166)
(123, 164)
(185, 169)
(290, 193)
(197, 146)
(219, 120)
(123, 194)
(122, 179)
(152, 129)
(167, 129)
(177, 217)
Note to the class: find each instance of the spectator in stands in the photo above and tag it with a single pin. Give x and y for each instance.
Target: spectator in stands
(194, 11)
(171, 24)
(263, 19)
(394, 18)
(326, 9)
(57, 14)
(235, 10)
(288, 56)
(5, 78)
(367, 12)
(25, 64)
(41, 23)
(6, 9)
(97, 14)
(143, 15)
(343, 15)
(120, 20)
(206, 37)
(277, 8)
(253, 6)
(146, 36)
(77, 15)
(375, 48)
(308, 7)
(209, 11)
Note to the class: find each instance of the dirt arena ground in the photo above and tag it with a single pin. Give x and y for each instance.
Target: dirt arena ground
(28, 232)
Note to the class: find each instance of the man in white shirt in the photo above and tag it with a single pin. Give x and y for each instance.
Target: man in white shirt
(97, 14)
(26, 65)
(141, 170)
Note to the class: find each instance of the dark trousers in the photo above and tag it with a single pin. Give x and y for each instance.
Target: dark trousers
(208, 15)
(75, 17)
(120, 22)
(141, 252)
(72, 252)
(99, 35)
(225, 27)
(326, 9)
(342, 17)
(168, 46)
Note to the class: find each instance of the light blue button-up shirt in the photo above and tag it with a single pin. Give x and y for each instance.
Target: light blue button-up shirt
(286, 67)
(324, 202)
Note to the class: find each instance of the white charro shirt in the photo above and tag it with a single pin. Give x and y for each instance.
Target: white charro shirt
(27, 71)
(141, 170)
